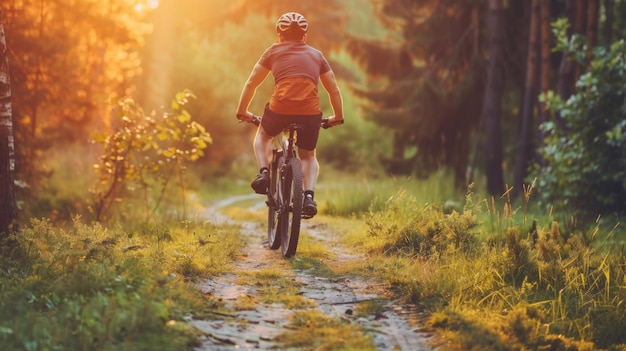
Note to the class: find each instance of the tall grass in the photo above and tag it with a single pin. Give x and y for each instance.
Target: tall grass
(341, 194)
(492, 280)
(96, 288)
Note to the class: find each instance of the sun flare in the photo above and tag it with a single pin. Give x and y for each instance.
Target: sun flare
(148, 5)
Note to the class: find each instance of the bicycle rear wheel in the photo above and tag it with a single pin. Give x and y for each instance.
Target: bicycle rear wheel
(291, 210)
(273, 212)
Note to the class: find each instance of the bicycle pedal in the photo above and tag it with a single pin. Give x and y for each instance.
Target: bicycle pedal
(308, 214)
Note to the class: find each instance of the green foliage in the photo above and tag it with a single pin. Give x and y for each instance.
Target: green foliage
(403, 227)
(66, 58)
(93, 288)
(351, 146)
(531, 290)
(585, 168)
(214, 64)
(143, 147)
(423, 82)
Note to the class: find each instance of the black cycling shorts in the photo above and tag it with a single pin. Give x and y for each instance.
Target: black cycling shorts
(306, 138)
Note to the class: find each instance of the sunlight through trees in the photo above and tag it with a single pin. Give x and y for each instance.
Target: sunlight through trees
(415, 77)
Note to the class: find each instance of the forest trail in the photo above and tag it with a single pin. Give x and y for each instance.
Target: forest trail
(256, 325)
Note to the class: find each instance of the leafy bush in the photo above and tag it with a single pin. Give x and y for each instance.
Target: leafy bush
(146, 153)
(585, 159)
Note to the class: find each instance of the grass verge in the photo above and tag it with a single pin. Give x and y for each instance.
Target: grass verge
(93, 288)
(492, 282)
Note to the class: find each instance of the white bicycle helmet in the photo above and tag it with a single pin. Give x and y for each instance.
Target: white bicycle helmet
(291, 20)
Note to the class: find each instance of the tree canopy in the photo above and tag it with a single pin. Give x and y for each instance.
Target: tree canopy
(415, 77)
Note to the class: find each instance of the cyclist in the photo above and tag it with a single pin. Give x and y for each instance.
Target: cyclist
(296, 68)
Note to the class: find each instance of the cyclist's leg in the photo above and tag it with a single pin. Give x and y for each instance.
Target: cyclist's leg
(307, 142)
(263, 147)
(310, 168)
(263, 150)
(270, 126)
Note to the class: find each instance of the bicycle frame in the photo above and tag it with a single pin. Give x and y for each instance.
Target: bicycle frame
(285, 194)
(285, 147)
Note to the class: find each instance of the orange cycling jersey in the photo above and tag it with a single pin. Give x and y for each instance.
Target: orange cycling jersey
(296, 68)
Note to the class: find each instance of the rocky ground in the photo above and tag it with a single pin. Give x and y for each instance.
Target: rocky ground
(393, 327)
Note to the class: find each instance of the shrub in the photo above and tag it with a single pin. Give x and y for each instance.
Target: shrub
(585, 170)
(146, 153)
(406, 228)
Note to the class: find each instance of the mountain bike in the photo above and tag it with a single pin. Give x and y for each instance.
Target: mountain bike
(285, 194)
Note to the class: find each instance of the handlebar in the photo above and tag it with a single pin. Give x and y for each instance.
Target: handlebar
(256, 120)
(325, 124)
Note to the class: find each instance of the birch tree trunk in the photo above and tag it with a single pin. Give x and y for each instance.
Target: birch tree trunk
(8, 207)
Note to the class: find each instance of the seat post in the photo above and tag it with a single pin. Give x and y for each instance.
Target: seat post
(292, 131)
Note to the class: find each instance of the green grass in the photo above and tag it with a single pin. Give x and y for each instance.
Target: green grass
(96, 288)
(340, 194)
(312, 266)
(489, 283)
(311, 330)
(486, 280)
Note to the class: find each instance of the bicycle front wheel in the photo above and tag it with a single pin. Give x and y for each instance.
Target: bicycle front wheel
(292, 195)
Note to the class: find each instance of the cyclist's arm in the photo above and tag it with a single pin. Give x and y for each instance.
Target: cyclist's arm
(334, 94)
(257, 76)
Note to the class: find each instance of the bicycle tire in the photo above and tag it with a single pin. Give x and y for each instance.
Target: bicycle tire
(273, 213)
(291, 213)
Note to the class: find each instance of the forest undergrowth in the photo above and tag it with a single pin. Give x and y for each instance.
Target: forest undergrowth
(492, 274)
(495, 274)
(89, 287)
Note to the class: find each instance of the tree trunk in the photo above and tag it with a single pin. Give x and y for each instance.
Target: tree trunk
(546, 69)
(591, 27)
(567, 69)
(593, 8)
(492, 107)
(529, 103)
(624, 142)
(8, 206)
(580, 27)
(607, 29)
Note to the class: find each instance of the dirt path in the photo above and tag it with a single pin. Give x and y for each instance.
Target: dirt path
(393, 327)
